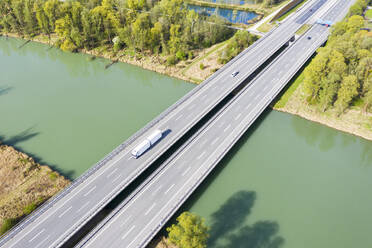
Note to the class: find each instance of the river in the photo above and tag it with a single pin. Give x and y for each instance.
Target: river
(288, 182)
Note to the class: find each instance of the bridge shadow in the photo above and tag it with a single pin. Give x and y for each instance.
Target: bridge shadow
(224, 162)
(242, 200)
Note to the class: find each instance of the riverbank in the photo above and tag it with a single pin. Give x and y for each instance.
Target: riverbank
(354, 120)
(161, 242)
(24, 185)
(188, 70)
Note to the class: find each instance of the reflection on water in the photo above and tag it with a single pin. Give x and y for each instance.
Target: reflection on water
(326, 139)
(233, 16)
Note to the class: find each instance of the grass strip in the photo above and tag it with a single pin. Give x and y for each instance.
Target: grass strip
(291, 11)
(288, 92)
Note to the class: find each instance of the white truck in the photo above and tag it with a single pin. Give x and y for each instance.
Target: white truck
(142, 147)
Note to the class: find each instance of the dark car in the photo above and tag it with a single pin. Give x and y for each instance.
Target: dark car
(309, 37)
(234, 73)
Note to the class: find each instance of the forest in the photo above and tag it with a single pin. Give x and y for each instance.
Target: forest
(340, 74)
(165, 27)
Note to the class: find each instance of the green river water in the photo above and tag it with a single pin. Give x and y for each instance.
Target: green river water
(287, 183)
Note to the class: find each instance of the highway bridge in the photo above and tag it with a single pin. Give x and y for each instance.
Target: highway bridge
(62, 216)
(136, 221)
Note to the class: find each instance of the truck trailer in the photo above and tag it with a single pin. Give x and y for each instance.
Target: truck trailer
(147, 143)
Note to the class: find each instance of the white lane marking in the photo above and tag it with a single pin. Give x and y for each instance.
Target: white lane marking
(169, 189)
(238, 116)
(215, 140)
(191, 107)
(221, 124)
(84, 205)
(201, 155)
(150, 208)
(248, 106)
(157, 190)
(93, 188)
(112, 172)
(187, 170)
(42, 242)
(125, 221)
(116, 178)
(257, 97)
(265, 87)
(35, 236)
(130, 157)
(64, 212)
(181, 164)
(179, 117)
(126, 234)
(227, 128)
(203, 143)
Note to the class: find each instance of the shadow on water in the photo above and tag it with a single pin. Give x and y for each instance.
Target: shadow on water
(26, 135)
(231, 215)
(18, 138)
(262, 234)
(5, 90)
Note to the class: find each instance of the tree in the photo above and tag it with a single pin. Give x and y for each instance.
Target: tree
(175, 42)
(189, 232)
(52, 11)
(141, 31)
(42, 19)
(30, 20)
(346, 93)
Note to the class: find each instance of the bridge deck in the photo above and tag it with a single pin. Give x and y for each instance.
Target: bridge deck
(137, 220)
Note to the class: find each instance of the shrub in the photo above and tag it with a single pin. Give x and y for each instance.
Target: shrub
(190, 55)
(202, 66)
(181, 55)
(53, 176)
(7, 224)
(29, 208)
(172, 60)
